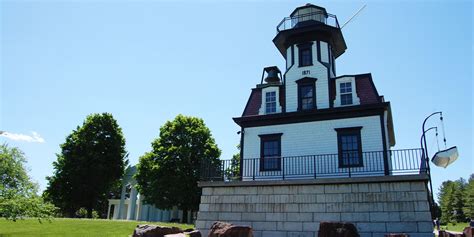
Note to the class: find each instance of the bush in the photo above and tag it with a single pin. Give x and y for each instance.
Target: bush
(81, 213)
(95, 214)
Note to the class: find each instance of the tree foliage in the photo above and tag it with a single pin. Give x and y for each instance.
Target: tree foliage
(456, 200)
(469, 198)
(18, 194)
(168, 175)
(91, 163)
(233, 171)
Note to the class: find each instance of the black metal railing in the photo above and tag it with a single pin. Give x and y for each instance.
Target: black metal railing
(372, 163)
(308, 19)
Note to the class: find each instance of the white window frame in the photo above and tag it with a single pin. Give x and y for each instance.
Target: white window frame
(355, 99)
(263, 106)
(346, 93)
(270, 104)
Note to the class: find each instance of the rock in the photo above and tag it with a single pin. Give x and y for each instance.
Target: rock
(443, 233)
(397, 235)
(176, 235)
(337, 229)
(222, 229)
(155, 231)
(194, 233)
(468, 231)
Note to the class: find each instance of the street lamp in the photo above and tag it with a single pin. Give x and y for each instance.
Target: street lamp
(425, 154)
(424, 162)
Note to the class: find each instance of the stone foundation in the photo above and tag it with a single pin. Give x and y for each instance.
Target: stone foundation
(376, 205)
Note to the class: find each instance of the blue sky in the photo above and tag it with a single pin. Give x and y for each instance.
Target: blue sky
(147, 61)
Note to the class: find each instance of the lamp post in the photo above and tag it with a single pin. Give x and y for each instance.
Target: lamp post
(425, 160)
(425, 155)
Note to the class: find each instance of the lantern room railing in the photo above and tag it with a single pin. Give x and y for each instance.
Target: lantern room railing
(400, 162)
(308, 19)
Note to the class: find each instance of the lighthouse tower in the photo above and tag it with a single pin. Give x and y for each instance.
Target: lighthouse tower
(310, 40)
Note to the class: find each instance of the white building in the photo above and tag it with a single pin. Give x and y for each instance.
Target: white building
(130, 206)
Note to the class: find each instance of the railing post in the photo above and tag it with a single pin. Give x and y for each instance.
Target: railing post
(385, 162)
(223, 170)
(350, 169)
(253, 178)
(283, 168)
(314, 166)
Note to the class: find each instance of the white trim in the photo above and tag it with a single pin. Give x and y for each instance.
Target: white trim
(275, 89)
(355, 98)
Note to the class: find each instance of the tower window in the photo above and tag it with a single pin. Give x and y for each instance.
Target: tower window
(350, 147)
(270, 102)
(307, 97)
(345, 90)
(306, 93)
(305, 55)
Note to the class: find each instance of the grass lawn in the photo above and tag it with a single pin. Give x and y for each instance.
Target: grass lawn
(458, 227)
(73, 228)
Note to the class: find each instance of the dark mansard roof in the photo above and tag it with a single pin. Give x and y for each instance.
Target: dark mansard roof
(365, 90)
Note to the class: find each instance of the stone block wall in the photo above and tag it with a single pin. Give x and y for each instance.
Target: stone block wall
(276, 209)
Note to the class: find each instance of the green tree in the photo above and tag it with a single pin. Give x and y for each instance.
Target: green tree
(458, 200)
(18, 194)
(469, 198)
(232, 172)
(91, 163)
(168, 175)
(445, 199)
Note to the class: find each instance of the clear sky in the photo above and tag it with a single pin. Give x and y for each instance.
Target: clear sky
(147, 61)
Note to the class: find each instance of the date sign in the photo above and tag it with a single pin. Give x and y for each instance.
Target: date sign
(306, 72)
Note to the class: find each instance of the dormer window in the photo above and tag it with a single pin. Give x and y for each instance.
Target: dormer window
(305, 54)
(346, 93)
(270, 102)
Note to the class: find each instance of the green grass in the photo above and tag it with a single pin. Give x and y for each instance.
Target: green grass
(458, 227)
(73, 228)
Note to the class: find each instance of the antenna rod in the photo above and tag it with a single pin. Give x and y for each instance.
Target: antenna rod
(353, 16)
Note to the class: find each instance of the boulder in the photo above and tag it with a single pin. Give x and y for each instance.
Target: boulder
(193, 233)
(337, 229)
(223, 229)
(176, 235)
(155, 231)
(443, 233)
(468, 231)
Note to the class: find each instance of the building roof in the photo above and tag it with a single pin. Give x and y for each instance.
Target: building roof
(365, 90)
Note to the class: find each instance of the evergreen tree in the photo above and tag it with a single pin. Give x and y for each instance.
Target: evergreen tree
(458, 199)
(446, 192)
(469, 198)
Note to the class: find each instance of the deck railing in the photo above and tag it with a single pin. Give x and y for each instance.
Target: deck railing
(308, 19)
(372, 163)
